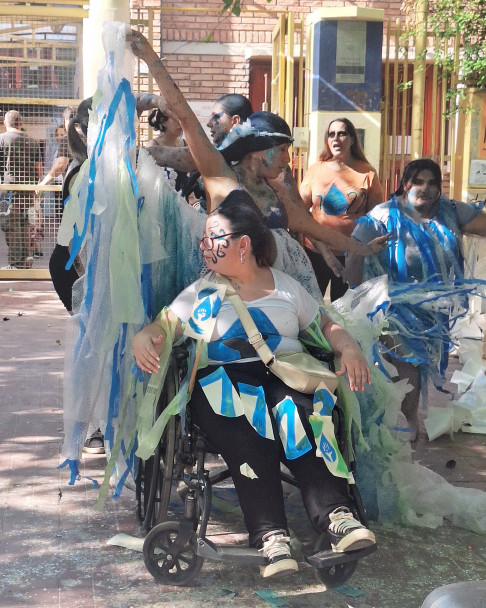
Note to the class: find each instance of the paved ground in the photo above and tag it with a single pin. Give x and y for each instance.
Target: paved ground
(54, 550)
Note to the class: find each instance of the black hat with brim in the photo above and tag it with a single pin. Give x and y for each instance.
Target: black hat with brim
(263, 130)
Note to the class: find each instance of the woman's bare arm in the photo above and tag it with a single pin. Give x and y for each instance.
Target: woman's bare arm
(179, 159)
(218, 177)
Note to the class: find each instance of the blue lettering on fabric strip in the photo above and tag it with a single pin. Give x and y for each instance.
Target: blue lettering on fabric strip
(290, 428)
(221, 394)
(324, 402)
(255, 408)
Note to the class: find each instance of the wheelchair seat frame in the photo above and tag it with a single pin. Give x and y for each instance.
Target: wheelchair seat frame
(174, 551)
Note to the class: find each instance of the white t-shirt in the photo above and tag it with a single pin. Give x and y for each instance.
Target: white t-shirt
(280, 317)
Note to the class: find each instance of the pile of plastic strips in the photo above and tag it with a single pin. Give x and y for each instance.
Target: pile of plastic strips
(393, 487)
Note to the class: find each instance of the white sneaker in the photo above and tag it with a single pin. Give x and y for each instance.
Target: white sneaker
(277, 551)
(8, 267)
(346, 533)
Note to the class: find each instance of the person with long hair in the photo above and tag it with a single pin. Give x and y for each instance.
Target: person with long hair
(77, 132)
(338, 189)
(170, 136)
(237, 245)
(425, 270)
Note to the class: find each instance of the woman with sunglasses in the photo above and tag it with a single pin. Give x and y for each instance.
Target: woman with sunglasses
(338, 189)
(254, 157)
(237, 245)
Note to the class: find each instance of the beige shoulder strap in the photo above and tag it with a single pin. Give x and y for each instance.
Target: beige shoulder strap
(255, 338)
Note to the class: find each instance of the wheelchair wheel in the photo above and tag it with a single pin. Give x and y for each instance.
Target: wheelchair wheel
(167, 562)
(154, 478)
(335, 575)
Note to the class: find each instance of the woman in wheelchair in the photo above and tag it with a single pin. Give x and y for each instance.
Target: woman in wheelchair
(249, 415)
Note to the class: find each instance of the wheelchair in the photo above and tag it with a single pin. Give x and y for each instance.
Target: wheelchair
(174, 550)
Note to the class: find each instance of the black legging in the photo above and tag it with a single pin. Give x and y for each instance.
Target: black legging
(324, 275)
(62, 279)
(261, 499)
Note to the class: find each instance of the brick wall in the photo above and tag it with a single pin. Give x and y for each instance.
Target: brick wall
(204, 76)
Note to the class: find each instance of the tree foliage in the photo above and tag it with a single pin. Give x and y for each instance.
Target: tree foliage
(234, 6)
(230, 7)
(464, 20)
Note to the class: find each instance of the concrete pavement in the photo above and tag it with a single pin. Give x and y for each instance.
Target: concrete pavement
(54, 550)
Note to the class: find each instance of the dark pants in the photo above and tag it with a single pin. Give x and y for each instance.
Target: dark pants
(261, 499)
(17, 231)
(324, 275)
(62, 279)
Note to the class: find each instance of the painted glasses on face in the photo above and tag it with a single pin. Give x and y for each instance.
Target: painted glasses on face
(208, 242)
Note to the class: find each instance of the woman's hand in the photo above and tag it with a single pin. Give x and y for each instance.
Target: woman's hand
(140, 46)
(147, 345)
(149, 101)
(284, 182)
(353, 362)
(331, 260)
(376, 245)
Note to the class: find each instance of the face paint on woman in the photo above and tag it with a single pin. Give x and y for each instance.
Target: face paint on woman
(269, 158)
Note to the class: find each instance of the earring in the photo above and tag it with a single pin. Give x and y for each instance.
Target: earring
(242, 257)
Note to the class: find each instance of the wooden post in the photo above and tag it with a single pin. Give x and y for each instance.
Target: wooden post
(418, 92)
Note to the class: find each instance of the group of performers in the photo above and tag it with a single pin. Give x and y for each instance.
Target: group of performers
(146, 250)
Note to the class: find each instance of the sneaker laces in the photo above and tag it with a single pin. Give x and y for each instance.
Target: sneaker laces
(343, 521)
(276, 545)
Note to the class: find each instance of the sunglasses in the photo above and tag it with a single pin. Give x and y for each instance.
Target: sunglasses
(339, 134)
(208, 241)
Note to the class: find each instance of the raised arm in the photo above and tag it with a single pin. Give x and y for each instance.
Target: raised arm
(218, 177)
(179, 159)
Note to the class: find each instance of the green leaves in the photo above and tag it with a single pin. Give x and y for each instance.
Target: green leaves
(233, 6)
(464, 21)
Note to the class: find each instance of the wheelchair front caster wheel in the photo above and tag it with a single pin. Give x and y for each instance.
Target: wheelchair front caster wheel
(337, 574)
(169, 557)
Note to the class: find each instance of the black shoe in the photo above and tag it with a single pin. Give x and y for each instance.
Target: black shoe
(38, 254)
(346, 533)
(95, 444)
(277, 551)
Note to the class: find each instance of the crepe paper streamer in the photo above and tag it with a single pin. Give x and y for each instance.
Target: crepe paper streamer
(74, 468)
(269, 596)
(127, 541)
(349, 591)
(75, 476)
(247, 471)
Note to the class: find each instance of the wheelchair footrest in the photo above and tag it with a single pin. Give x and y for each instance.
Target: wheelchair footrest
(329, 558)
(248, 555)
